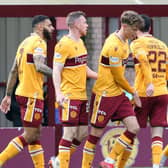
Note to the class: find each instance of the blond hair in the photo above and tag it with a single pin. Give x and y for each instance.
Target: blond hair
(71, 17)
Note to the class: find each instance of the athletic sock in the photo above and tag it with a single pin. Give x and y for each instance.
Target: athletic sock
(14, 147)
(64, 153)
(157, 144)
(89, 151)
(37, 154)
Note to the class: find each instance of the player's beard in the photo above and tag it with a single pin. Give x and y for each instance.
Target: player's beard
(47, 35)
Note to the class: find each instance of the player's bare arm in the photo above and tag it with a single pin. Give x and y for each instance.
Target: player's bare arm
(57, 70)
(13, 75)
(41, 66)
(91, 73)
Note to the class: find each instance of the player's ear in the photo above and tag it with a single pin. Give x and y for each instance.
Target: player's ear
(40, 26)
(124, 25)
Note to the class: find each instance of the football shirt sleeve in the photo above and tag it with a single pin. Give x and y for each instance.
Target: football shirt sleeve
(60, 53)
(140, 54)
(40, 48)
(117, 70)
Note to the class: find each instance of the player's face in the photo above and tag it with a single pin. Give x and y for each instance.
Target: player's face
(81, 25)
(130, 32)
(47, 29)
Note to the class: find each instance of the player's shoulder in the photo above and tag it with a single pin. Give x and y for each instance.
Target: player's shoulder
(64, 42)
(161, 42)
(38, 39)
(111, 41)
(137, 42)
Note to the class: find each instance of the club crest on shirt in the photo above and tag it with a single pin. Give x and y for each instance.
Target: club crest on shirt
(115, 49)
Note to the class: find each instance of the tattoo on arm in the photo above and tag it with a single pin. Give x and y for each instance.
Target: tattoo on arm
(12, 78)
(40, 65)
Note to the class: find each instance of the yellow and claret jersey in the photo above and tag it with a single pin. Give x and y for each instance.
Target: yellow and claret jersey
(153, 53)
(73, 55)
(114, 53)
(30, 81)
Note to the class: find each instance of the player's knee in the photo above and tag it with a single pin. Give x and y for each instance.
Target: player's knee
(96, 131)
(69, 133)
(82, 134)
(135, 129)
(74, 133)
(31, 137)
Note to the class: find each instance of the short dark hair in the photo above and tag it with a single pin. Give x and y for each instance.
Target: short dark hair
(147, 23)
(37, 19)
(72, 16)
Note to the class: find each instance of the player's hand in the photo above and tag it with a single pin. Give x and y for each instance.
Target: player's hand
(137, 100)
(61, 99)
(150, 90)
(5, 104)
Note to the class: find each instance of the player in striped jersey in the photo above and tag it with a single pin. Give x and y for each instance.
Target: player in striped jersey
(108, 99)
(29, 67)
(150, 55)
(70, 72)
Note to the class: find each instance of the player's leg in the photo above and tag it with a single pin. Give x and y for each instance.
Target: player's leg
(70, 117)
(32, 121)
(158, 120)
(123, 157)
(127, 138)
(90, 146)
(54, 162)
(35, 148)
(14, 147)
(126, 112)
(31, 128)
(157, 145)
(100, 113)
(65, 146)
(82, 133)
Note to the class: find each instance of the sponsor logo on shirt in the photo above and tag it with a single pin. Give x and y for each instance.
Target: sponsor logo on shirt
(114, 59)
(57, 56)
(38, 50)
(73, 107)
(38, 110)
(75, 61)
(81, 59)
(102, 112)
